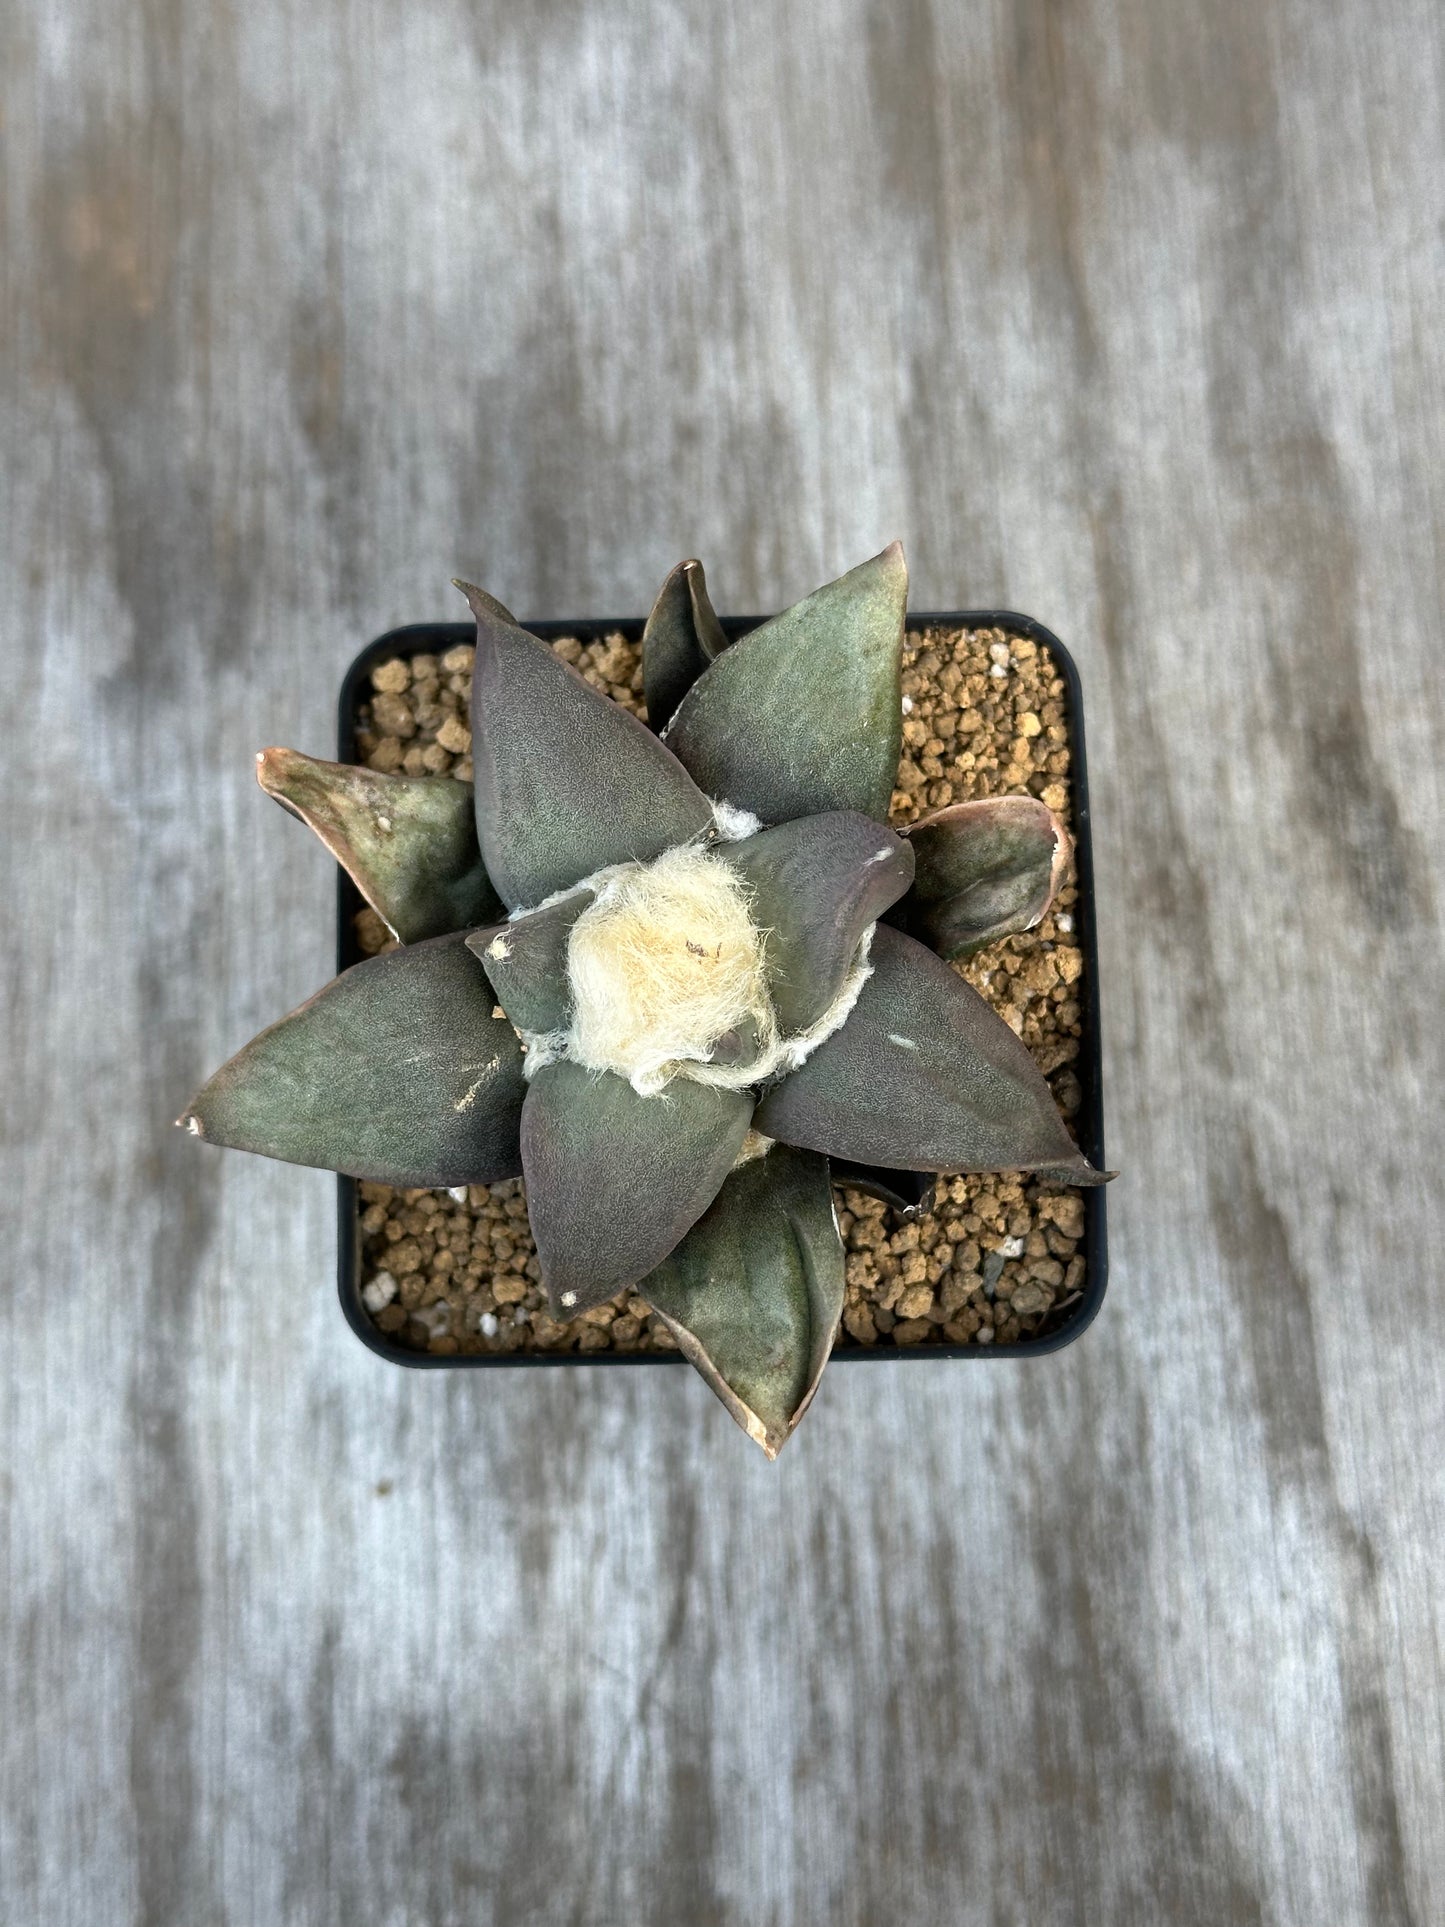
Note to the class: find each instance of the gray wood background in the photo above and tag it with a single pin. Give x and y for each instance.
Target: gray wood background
(1123, 313)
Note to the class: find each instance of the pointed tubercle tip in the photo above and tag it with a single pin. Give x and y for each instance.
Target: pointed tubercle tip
(269, 763)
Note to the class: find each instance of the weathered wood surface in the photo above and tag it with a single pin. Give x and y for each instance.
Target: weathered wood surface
(1124, 314)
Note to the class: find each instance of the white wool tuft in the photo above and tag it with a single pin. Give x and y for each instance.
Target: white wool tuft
(733, 824)
(542, 1047)
(662, 964)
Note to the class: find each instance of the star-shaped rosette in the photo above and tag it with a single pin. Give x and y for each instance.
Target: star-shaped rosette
(700, 1179)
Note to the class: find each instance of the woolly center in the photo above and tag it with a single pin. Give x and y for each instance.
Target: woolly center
(664, 964)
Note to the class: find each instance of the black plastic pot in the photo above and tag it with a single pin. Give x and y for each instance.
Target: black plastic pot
(435, 638)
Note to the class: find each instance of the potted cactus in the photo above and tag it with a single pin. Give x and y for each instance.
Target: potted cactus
(670, 975)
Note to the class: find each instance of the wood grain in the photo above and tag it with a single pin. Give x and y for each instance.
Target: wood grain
(1126, 315)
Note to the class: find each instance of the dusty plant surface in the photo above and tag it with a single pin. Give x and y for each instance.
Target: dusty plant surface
(995, 1259)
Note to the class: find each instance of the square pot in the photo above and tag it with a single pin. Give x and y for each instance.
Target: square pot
(435, 638)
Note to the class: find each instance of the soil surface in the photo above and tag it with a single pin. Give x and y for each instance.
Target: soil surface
(995, 1259)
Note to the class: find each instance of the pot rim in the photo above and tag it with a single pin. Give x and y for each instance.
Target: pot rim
(435, 638)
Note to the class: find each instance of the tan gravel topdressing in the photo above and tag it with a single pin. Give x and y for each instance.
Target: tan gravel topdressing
(995, 1259)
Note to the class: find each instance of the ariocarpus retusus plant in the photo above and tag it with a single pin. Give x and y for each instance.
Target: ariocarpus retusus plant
(667, 976)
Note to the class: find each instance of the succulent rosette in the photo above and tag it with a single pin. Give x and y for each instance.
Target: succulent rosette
(670, 975)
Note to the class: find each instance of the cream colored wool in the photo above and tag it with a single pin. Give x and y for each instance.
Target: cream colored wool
(668, 961)
(662, 964)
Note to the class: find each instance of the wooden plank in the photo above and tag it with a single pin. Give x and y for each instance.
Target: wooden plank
(1119, 314)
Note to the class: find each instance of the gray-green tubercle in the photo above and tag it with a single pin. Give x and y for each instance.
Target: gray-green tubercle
(615, 1180)
(679, 639)
(863, 1054)
(397, 1071)
(565, 781)
(754, 1292)
(526, 960)
(818, 885)
(923, 1076)
(409, 843)
(984, 869)
(804, 714)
